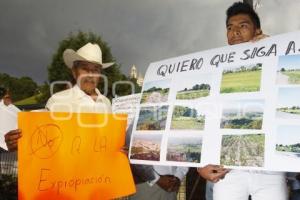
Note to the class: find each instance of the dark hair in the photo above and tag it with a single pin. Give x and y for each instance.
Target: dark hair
(243, 8)
(3, 91)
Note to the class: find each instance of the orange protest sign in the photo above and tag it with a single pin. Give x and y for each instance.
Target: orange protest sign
(65, 156)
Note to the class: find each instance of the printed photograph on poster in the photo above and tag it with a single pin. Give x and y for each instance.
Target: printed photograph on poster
(156, 91)
(243, 150)
(244, 114)
(187, 118)
(194, 88)
(152, 118)
(288, 140)
(288, 103)
(241, 79)
(288, 70)
(184, 149)
(146, 147)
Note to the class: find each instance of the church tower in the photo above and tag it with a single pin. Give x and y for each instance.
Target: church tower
(133, 72)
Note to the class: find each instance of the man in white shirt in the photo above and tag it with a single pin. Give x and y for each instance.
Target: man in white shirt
(243, 25)
(4, 97)
(86, 65)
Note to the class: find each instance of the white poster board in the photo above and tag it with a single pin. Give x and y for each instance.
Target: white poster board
(8, 121)
(238, 106)
(126, 104)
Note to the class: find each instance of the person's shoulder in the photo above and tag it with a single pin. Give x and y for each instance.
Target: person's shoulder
(63, 93)
(61, 96)
(104, 98)
(13, 108)
(107, 102)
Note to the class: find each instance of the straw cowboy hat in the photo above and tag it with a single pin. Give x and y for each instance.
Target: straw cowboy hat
(89, 52)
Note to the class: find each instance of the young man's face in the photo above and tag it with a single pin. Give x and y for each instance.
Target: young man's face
(87, 76)
(240, 29)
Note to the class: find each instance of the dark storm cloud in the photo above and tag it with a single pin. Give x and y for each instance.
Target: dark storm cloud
(138, 31)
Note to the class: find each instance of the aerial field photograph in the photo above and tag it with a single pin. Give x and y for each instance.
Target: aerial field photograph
(146, 147)
(243, 150)
(184, 149)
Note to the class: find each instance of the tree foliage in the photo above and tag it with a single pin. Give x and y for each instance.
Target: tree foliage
(185, 112)
(201, 87)
(19, 88)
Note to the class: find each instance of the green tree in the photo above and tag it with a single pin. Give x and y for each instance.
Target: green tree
(19, 88)
(44, 93)
(58, 71)
(178, 111)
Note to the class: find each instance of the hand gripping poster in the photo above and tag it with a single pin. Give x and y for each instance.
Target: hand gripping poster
(238, 106)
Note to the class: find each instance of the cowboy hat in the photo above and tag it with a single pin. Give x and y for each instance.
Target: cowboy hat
(89, 52)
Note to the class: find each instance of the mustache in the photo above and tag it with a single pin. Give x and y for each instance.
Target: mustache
(92, 80)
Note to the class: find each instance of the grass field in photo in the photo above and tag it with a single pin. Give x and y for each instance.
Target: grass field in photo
(291, 110)
(288, 140)
(288, 106)
(288, 69)
(241, 80)
(292, 148)
(196, 91)
(185, 118)
(294, 76)
(192, 94)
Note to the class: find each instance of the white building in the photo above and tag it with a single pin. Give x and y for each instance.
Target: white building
(133, 74)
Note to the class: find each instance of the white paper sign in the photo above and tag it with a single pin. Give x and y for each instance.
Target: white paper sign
(126, 104)
(8, 121)
(238, 106)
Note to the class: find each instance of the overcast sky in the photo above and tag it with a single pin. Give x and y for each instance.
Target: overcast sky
(138, 31)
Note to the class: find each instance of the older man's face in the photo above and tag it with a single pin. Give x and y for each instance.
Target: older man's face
(87, 75)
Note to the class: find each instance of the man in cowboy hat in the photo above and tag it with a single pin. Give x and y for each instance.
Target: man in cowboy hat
(86, 65)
